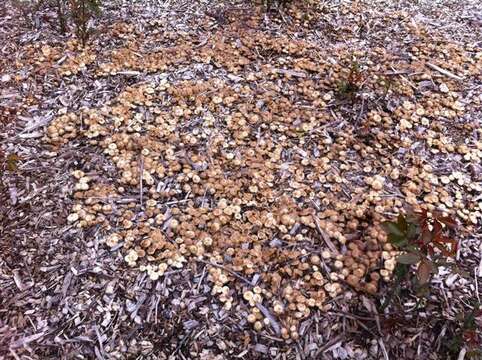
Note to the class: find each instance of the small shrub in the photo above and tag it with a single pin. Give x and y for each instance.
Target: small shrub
(30, 9)
(424, 240)
(270, 3)
(81, 12)
(61, 16)
(467, 334)
(8, 163)
(352, 83)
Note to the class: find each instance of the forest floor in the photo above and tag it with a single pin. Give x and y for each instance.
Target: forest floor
(207, 180)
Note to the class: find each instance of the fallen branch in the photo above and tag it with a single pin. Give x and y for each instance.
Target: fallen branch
(444, 72)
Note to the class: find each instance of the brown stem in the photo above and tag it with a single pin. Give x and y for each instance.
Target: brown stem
(61, 17)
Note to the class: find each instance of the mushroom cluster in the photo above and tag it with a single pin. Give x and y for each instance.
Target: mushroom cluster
(261, 174)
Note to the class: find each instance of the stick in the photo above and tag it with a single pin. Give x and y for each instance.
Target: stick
(140, 179)
(276, 326)
(325, 237)
(128, 73)
(444, 72)
(462, 354)
(384, 349)
(235, 274)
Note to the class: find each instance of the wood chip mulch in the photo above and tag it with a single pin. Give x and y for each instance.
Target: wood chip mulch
(207, 180)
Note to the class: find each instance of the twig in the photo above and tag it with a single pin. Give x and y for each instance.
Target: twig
(42, 122)
(125, 200)
(14, 354)
(175, 202)
(128, 73)
(325, 237)
(99, 339)
(364, 327)
(444, 72)
(235, 274)
(350, 316)
(330, 345)
(203, 42)
(462, 353)
(201, 279)
(292, 73)
(362, 107)
(141, 179)
(26, 340)
(384, 349)
(476, 279)
(276, 326)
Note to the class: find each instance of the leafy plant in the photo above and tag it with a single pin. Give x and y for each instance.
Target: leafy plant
(423, 239)
(30, 8)
(270, 3)
(467, 334)
(7, 163)
(349, 87)
(61, 16)
(82, 11)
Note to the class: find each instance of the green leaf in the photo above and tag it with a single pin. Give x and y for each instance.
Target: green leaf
(455, 343)
(412, 231)
(412, 248)
(469, 320)
(422, 290)
(392, 228)
(401, 270)
(408, 258)
(402, 223)
(397, 241)
(461, 272)
(412, 216)
(474, 354)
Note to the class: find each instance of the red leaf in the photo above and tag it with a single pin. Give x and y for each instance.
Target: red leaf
(444, 239)
(423, 218)
(447, 220)
(426, 236)
(470, 337)
(446, 250)
(425, 269)
(437, 229)
(453, 244)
